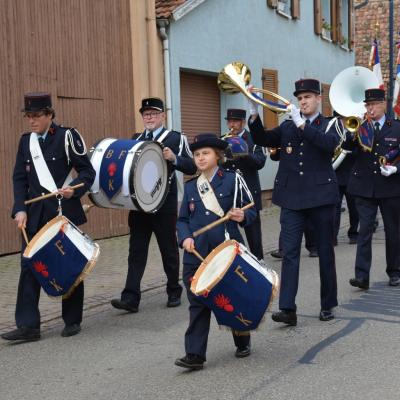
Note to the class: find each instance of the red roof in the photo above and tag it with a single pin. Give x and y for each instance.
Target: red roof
(164, 8)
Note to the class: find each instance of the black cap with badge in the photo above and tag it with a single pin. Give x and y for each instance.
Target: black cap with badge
(307, 85)
(37, 101)
(152, 103)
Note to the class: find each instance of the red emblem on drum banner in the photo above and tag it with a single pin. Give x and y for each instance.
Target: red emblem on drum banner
(223, 302)
(41, 268)
(112, 169)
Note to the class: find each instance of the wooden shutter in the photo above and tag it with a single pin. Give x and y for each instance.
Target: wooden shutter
(270, 82)
(200, 104)
(272, 3)
(295, 9)
(339, 21)
(317, 17)
(326, 108)
(351, 25)
(334, 21)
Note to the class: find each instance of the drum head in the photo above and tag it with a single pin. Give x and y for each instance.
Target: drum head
(149, 178)
(213, 269)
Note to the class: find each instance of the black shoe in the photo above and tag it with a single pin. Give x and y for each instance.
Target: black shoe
(190, 361)
(360, 283)
(242, 352)
(287, 317)
(313, 254)
(25, 334)
(326, 315)
(277, 253)
(122, 305)
(71, 330)
(353, 240)
(173, 301)
(394, 281)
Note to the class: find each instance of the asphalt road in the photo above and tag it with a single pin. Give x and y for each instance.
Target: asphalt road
(131, 356)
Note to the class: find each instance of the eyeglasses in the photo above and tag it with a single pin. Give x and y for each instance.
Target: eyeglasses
(33, 115)
(151, 114)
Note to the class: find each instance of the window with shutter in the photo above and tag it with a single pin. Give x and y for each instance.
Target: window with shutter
(270, 82)
(287, 7)
(326, 108)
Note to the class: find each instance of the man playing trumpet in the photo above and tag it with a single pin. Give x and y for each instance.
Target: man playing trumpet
(375, 185)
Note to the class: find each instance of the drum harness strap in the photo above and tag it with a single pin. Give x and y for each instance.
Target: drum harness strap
(46, 180)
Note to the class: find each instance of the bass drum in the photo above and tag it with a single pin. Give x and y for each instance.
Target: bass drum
(130, 174)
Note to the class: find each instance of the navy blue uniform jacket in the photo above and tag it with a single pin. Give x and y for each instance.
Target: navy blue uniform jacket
(249, 166)
(366, 179)
(305, 177)
(193, 215)
(184, 164)
(27, 186)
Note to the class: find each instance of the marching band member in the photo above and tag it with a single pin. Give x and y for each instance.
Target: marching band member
(376, 186)
(248, 166)
(207, 198)
(162, 223)
(305, 189)
(44, 161)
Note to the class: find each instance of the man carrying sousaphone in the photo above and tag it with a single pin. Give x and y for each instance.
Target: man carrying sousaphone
(44, 163)
(375, 182)
(305, 189)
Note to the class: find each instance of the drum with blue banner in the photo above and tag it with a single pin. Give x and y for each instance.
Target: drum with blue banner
(61, 256)
(235, 286)
(130, 174)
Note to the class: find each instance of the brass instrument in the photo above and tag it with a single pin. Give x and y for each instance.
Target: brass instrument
(346, 95)
(235, 77)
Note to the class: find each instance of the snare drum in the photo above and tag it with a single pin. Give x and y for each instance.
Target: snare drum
(61, 256)
(235, 286)
(130, 174)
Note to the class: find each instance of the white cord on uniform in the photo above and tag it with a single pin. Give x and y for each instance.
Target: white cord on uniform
(69, 141)
(184, 144)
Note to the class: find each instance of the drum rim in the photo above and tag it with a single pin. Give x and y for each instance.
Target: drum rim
(204, 265)
(43, 229)
(132, 185)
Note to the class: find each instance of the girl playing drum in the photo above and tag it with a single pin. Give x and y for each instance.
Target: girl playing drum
(207, 198)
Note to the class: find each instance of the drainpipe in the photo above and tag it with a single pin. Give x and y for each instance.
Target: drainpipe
(162, 29)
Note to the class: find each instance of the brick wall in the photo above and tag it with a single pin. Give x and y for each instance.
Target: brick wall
(366, 18)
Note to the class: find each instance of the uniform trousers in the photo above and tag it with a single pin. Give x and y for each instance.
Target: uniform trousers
(196, 335)
(390, 210)
(142, 226)
(27, 312)
(352, 232)
(254, 237)
(292, 228)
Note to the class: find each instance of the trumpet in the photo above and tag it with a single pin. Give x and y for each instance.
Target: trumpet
(235, 77)
(352, 123)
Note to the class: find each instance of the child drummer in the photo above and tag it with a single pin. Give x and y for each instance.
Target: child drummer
(207, 198)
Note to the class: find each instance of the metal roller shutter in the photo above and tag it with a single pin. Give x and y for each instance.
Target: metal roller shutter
(200, 104)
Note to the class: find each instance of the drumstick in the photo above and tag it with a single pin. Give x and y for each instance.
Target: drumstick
(198, 255)
(219, 221)
(45, 196)
(25, 235)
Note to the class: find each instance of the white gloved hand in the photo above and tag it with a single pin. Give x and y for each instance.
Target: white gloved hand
(253, 106)
(388, 170)
(295, 115)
